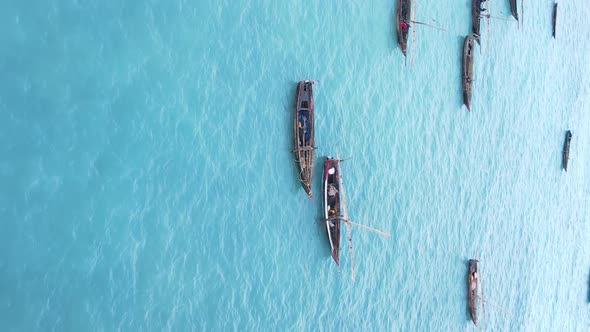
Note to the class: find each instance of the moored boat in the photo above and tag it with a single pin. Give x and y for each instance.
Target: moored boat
(554, 18)
(332, 204)
(476, 10)
(402, 19)
(304, 135)
(473, 289)
(566, 149)
(467, 69)
(514, 9)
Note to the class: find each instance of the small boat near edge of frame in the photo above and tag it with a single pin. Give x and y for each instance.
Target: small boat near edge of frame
(467, 69)
(403, 15)
(473, 289)
(304, 134)
(566, 149)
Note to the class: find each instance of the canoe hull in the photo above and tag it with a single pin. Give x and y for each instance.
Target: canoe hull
(473, 289)
(475, 16)
(566, 149)
(467, 69)
(403, 14)
(304, 134)
(554, 18)
(514, 9)
(332, 205)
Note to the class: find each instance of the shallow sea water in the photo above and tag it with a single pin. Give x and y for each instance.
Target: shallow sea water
(148, 182)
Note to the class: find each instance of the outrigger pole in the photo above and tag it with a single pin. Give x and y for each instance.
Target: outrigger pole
(371, 229)
(430, 25)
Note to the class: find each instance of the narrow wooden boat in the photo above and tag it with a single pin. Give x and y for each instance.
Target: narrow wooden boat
(402, 23)
(333, 205)
(566, 149)
(476, 16)
(336, 211)
(473, 289)
(514, 9)
(303, 128)
(554, 17)
(467, 70)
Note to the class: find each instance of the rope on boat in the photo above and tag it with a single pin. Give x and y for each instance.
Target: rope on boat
(430, 25)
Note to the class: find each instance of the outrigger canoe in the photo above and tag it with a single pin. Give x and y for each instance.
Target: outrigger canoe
(566, 149)
(467, 69)
(473, 289)
(303, 128)
(333, 205)
(514, 9)
(403, 15)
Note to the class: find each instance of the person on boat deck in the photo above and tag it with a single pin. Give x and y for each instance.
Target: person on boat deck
(481, 9)
(404, 25)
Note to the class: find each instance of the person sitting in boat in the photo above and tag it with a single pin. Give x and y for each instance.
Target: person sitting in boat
(480, 4)
(404, 25)
(332, 191)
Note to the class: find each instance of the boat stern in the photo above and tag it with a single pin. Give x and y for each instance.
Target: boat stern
(336, 257)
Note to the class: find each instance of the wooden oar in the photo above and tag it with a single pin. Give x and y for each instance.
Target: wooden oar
(429, 25)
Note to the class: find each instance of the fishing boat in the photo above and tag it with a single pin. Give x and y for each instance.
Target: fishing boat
(402, 23)
(566, 149)
(476, 16)
(554, 17)
(303, 129)
(332, 205)
(514, 9)
(467, 70)
(473, 289)
(335, 210)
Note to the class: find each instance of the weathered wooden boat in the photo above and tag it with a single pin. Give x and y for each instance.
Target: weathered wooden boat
(514, 9)
(335, 210)
(467, 70)
(473, 289)
(476, 10)
(402, 20)
(554, 18)
(333, 213)
(304, 136)
(566, 149)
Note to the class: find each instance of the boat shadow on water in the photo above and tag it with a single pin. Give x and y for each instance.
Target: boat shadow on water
(588, 287)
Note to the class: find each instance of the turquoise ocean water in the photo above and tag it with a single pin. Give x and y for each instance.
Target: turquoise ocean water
(147, 181)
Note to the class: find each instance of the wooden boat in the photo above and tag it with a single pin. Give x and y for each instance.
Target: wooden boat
(473, 289)
(514, 9)
(467, 70)
(476, 16)
(332, 203)
(335, 210)
(403, 15)
(566, 149)
(554, 17)
(303, 129)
